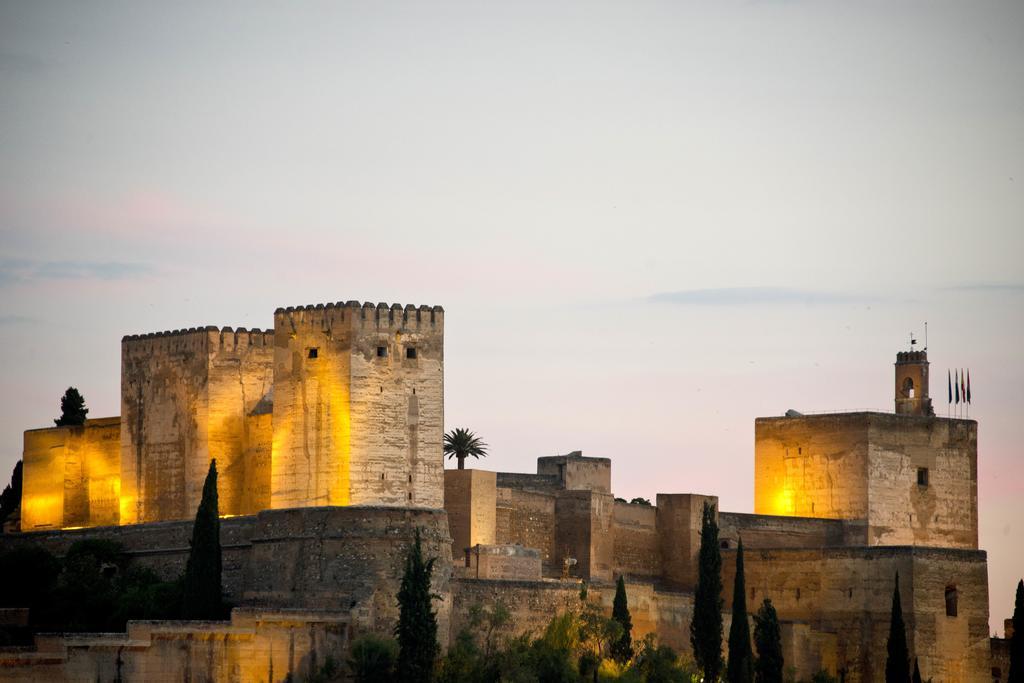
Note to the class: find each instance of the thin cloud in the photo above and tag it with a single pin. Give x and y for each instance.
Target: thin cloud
(9, 320)
(23, 271)
(756, 296)
(991, 287)
(21, 62)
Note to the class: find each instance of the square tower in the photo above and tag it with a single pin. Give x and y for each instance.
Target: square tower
(358, 405)
(912, 384)
(913, 480)
(189, 396)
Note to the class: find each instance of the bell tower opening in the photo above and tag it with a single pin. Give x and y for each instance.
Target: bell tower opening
(912, 384)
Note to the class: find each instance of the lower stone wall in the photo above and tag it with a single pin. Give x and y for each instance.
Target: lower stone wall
(344, 559)
(773, 531)
(534, 603)
(848, 592)
(253, 646)
(160, 546)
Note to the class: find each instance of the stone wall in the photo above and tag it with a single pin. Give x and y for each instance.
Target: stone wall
(943, 513)
(184, 398)
(577, 473)
(528, 518)
(812, 466)
(470, 498)
(529, 482)
(241, 375)
(71, 476)
(848, 592)
(583, 530)
(358, 405)
(534, 603)
(636, 545)
(342, 559)
(1000, 659)
(504, 562)
(254, 646)
(770, 531)
(160, 546)
(868, 466)
(679, 524)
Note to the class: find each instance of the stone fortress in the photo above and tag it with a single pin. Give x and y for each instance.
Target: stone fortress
(328, 430)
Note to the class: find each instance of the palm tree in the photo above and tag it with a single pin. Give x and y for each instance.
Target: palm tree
(461, 443)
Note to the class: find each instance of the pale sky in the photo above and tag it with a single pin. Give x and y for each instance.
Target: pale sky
(649, 223)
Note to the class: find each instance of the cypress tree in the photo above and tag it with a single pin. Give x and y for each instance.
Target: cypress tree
(417, 624)
(897, 662)
(622, 649)
(72, 409)
(10, 499)
(741, 657)
(768, 638)
(1017, 641)
(917, 673)
(706, 625)
(202, 591)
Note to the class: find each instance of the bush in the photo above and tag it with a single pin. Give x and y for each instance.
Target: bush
(372, 659)
(659, 663)
(94, 588)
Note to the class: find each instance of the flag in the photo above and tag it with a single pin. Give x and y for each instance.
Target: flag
(963, 388)
(968, 385)
(949, 385)
(956, 385)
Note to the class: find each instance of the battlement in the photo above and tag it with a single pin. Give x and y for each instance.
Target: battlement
(393, 315)
(223, 336)
(911, 357)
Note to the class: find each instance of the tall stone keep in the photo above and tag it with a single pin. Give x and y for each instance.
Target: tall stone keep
(358, 406)
(912, 384)
(189, 396)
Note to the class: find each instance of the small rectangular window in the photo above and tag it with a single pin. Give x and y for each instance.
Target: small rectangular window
(922, 476)
(410, 352)
(952, 597)
(314, 352)
(382, 351)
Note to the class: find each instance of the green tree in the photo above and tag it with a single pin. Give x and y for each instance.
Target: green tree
(897, 661)
(741, 658)
(658, 663)
(768, 638)
(640, 501)
(917, 673)
(706, 625)
(622, 649)
(1017, 641)
(72, 409)
(10, 499)
(372, 659)
(461, 443)
(203, 598)
(417, 624)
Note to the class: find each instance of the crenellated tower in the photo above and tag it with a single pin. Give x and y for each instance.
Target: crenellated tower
(358, 405)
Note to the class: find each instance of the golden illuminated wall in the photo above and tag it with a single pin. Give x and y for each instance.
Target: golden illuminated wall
(185, 397)
(470, 499)
(358, 406)
(812, 466)
(914, 479)
(241, 375)
(72, 476)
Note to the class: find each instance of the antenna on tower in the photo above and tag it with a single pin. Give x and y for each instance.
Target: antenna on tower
(912, 341)
(925, 335)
